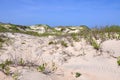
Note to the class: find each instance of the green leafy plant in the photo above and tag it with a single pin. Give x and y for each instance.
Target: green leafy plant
(7, 70)
(46, 69)
(41, 68)
(15, 76)
(2, 66)
(77, 74)
(64, 44)
(51, 42)
(5, 66)
(118, 60)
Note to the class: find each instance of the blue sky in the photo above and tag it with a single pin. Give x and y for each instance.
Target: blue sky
(61, 12)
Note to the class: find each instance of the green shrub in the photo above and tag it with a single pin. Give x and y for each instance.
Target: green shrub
(14, 28)
(3, 29)
(41, 68)
(75, 36)
(4, 39)
(118, 60)
(64, 44)
(5, 66)
(31, 33)
(1, 40)
(15, 76)
(51, 42)
(7, 70)
(77, 74)
(95, 44)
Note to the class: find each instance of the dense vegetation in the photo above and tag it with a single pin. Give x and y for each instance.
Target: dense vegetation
(104, 32)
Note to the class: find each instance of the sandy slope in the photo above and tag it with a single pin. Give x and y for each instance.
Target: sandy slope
(99, 68)
(81, 57)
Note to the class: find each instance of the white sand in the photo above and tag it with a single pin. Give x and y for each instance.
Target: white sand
(81, 57)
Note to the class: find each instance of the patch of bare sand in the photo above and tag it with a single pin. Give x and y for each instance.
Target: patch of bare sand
(98, 68)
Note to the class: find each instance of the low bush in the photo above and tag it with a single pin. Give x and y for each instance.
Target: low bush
(77, 74)
(95, 44)
(5, 66)
(64, 44)
(118, 60)
(75, 36)
(3, 29)
(41, 68)
(51, 42)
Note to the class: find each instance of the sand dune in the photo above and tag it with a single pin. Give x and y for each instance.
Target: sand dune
(80, 57)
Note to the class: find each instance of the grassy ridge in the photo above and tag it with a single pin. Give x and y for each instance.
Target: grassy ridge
(98, 32)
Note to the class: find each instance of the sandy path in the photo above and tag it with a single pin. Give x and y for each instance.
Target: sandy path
(95, 69)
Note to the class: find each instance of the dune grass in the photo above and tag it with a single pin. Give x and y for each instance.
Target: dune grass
(104, 32)
(3, 29)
